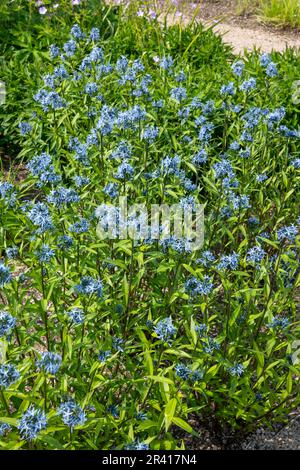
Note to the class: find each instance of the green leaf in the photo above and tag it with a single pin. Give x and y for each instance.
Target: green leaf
(169, 412)
(183, 424)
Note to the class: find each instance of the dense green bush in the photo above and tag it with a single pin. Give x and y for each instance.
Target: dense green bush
(23, 52)
(118, 343)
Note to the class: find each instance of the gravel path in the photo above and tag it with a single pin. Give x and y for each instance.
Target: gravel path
(241, 32)
(241, 38)
(287, 438)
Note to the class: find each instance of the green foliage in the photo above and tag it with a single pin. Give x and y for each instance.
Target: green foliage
(24, 49)
(277, 12)
(162, 334)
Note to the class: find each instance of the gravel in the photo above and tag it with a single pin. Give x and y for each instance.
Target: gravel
(287, 438)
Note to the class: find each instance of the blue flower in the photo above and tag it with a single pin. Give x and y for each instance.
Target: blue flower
(289, 132)
(131, 118)
(239, 202)
(62, 196)
(246, 137)
(76, 314)
(246, 153)
(201, 329)
(206, 258)
(44, 254)
(180, 77)
(238, 68)
(54, 51)
(91, 88)
(117, 344)
(150, 133)
(170, 165)
(49, 99)
(261, 178)
(95, 34)
(70, 48)
(5, 189)
(223, 168)
(275, 117)
(288, 232)
(41, 167)
(49, 80)
(72, 414)
(236, 370)
(255, 254)
(89, 286)
(296, 163)
(205, 132)
(111, 189)
(81, 151)
(187, 202)
(200, 157)
(280, 323)
(166, 63)
(65, 242)
(137, 445)
(60, 72)
(106, 121)
(228, 90)
(81, 226)
(184, 372)
(12, 252)
(32, 422)
(234, 146)
(195, 287)
(158, 104)
(81, 181)
(265, 60)
(141, 416)
(210, 345)
(25, 128)
(96, 55)
(7, 323)
(271, 70)
(104, 355)
(165, 330)
(180, 245)
(229, 261)
(4, 429)
(248, 85)
(123, 151)
(5, 275)
(124, 172)
(113, 410)
(8, 375)
(76, 32)
(50, 362)
(253, 220)
(122, 64)
(178, 94)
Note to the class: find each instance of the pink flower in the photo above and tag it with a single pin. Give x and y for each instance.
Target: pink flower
(156, 59)
(140, 13)
(76, 2)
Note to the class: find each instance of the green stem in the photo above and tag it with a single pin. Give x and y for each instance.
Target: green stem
(5, 403)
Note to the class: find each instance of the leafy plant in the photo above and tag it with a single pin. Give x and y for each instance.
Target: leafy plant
(117, 342)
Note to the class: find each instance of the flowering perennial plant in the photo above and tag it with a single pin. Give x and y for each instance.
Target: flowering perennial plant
(118, 343)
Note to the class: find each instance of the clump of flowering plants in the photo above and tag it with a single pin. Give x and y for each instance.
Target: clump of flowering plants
(117, 343)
